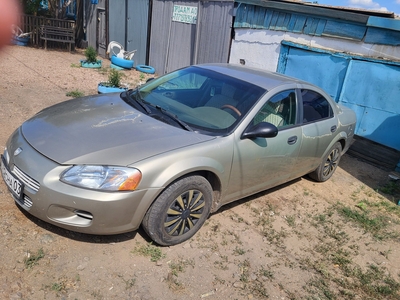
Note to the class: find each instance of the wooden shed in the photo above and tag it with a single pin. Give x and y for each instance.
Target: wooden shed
(166, 34)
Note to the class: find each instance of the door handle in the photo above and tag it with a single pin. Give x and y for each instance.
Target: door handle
(292, 140)
(333, 128)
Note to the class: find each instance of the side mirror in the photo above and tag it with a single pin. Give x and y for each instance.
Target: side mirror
(260, 130)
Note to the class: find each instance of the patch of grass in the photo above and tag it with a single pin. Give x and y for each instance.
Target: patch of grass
(388, 206)
(244, 271)
(266, 273)
(263, 220)
(129, 283)
(321, 218)
(238, 251)
(75, 94)
(180, 266)
(176, 268)
(291, 221)
(274, 236)
(370, 224)
(375, 283)
(173, 283)
(150, 250)
(236, 237)
(58, 286)
(222, 264)
(341, 258)
(32, 259)
(362, 205)
(259, 290)
(390, 188)
(337, 234)
(319, 288)
(75, 65)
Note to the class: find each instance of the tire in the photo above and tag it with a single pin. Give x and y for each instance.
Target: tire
(145, 69)
(179, 212)
(121, 62)
(328, 165)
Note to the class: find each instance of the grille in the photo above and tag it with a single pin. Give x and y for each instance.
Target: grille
(26, 179)
(26, 201)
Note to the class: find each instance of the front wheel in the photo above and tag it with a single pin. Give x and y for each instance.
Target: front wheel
(328, 165)
(179, 212)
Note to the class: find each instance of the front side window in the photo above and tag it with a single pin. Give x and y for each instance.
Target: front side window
(315, 106)
(280, 110)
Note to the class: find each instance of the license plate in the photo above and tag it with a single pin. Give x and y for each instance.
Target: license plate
(11, 181)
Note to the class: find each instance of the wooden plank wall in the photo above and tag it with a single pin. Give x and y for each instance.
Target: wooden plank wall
(367, 29)
(32, 25)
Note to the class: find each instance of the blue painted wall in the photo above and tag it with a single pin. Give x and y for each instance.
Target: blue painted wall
(376, 30)
(370, 87)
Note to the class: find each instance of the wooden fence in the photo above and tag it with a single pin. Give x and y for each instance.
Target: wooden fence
(31, 24)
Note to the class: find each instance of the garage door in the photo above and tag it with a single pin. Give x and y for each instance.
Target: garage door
(370, 87)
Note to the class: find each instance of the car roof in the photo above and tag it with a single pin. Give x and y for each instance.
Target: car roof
(265, 79)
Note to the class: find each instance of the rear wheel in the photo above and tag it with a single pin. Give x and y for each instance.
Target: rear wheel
(179, 212)
(328, 165)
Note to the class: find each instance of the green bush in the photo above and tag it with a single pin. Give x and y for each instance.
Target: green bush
(114, 78)
(91, 54)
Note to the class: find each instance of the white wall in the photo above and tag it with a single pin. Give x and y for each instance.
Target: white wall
(261, 48)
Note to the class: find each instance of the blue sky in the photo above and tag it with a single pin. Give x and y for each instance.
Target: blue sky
(384, 5)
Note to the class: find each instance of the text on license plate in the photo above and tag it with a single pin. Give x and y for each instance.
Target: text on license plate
(11, 181)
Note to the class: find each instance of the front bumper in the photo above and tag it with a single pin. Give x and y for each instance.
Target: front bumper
(69, 207)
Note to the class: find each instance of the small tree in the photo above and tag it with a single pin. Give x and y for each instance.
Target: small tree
(114, 78)
(91, 54)
(50, 8)
(31, 7)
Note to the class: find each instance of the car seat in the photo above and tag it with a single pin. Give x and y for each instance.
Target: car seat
(270, 113)
(225, 97)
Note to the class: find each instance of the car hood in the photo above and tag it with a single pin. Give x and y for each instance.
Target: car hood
(102, 129)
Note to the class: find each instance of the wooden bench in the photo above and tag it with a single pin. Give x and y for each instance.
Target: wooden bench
(57, 34)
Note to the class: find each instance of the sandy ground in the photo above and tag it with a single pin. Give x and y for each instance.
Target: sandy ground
(302, 240)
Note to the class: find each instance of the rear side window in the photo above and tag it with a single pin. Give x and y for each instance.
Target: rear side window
(315, 106)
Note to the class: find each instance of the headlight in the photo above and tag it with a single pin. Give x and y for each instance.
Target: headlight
(104, 178)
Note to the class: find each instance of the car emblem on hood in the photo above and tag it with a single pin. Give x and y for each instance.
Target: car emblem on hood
(17, 151)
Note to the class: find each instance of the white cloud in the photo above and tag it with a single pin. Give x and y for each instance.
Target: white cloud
(368, 4)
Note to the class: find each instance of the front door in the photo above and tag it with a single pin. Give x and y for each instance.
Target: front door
(262, 163)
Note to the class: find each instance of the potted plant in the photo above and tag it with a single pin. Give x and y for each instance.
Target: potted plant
(91, 59)
(113, 84)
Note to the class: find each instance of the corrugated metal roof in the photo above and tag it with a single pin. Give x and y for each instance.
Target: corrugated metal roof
(338, 9)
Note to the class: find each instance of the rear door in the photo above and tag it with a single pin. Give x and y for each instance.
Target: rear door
(318, 126)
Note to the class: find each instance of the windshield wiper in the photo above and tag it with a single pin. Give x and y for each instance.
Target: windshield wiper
(139, 100)
(174, 117)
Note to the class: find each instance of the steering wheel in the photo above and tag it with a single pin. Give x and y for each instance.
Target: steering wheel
(232, 108)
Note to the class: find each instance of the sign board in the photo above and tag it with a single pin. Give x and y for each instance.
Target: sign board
(185, 14)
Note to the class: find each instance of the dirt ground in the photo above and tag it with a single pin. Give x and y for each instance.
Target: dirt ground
(302, 240)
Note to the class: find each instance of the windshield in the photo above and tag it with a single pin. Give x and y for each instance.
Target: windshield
(206, 101)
